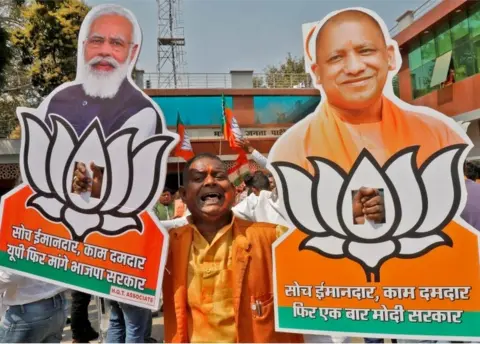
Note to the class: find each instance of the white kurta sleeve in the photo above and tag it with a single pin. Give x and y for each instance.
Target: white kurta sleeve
(246, 208)
(258, 157)
(175, 223)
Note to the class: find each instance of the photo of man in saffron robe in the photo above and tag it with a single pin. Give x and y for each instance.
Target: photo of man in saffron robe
(351, 59)
(374, 187)
(352, 62)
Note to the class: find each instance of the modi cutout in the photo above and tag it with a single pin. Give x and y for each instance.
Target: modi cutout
(352, 59)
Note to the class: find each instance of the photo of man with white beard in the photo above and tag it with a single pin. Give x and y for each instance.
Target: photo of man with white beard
(108, 46)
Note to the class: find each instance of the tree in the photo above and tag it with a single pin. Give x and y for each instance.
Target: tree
(15, 89)
(5, 54)
(8, 18)
(288, 74)
(9, 13)
(48, 41)
(8, 117)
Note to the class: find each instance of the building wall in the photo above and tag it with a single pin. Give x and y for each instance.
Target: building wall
(454, 100)
(453, 27)
(263, 114)
(252, 108)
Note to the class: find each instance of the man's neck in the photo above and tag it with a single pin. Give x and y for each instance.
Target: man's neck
(210, 227)
(372, 114)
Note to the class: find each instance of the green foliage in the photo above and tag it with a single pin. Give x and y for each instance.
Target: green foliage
(288, 74)
(48, 41)
(8, 118)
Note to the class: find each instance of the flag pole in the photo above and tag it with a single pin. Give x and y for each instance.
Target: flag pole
(221, 127)
(178, 161)
(220, 148)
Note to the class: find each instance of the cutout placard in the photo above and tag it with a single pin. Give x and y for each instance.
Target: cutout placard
(93, 162)
(397, 261)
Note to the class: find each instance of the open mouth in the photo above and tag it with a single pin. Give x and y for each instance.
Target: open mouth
(211, 198)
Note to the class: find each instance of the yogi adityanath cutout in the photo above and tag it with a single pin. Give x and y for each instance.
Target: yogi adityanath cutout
(350, 64)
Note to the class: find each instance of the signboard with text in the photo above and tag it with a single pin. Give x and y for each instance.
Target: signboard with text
(93, 162)
(375, 189)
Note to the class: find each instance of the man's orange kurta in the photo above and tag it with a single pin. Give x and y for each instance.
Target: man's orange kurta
(252, 281)
(324, 134)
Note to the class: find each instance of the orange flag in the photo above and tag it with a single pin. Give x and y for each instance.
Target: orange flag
(184, 147)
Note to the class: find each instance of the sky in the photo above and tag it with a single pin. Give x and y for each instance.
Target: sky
(224, 35)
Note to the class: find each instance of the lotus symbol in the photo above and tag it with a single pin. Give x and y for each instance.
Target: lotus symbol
(418, 202)
(130, 182)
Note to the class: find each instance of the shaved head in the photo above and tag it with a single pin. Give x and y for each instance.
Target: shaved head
(349, 16)
(352, 60)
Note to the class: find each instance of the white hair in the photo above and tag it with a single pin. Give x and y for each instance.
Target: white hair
(104, 84)
(120, 11)
(95, 13)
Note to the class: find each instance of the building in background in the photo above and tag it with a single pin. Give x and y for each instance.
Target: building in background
(263, 114)
(440, 47)
(264, 108)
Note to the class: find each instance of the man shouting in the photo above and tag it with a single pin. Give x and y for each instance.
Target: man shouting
(218, 282)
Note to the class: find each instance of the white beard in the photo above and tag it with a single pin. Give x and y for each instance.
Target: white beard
(104, 84)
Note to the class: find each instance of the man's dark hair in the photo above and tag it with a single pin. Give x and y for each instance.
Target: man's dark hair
(248, 180)
(167, 189)
(471, 170)
(195, 158)
(260, 181)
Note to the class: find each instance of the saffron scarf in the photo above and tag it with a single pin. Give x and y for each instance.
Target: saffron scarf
(329, 137)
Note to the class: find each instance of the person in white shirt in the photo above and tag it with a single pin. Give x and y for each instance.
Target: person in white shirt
(36, 311)
(33, 311)
(258, 157)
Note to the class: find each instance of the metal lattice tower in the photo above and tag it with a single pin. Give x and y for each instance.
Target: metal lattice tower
(171, 63)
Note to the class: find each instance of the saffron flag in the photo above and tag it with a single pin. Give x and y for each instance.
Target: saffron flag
(231, 129)
(184, 147)
(231, 132)
(239, 171)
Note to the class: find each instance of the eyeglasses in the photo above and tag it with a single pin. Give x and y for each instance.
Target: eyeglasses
(117, 44)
